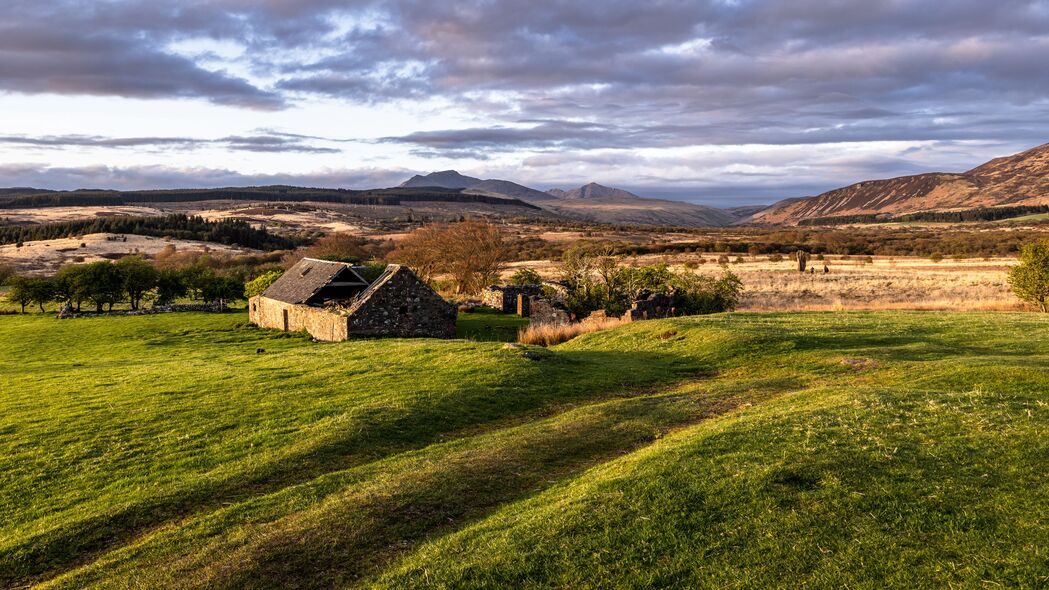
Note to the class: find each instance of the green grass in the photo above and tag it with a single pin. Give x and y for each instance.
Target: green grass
(488, 325)
(722, 451)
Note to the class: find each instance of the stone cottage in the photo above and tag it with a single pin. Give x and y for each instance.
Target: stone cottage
(333, 301)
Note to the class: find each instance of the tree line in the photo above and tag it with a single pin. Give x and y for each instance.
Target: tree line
(231, 232)
(390, 196)
(131, 280)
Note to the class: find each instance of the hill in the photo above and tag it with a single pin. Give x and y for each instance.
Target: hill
(1021, 179)
(595, 202)
(443, 179)
(590, 202)
(830, 450)
(292, 194)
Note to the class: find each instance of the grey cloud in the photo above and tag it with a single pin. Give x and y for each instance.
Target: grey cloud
(153, 177)
(265, 142)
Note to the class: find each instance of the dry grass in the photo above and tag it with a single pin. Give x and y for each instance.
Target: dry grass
(46, 256)
(549, 334)
(885, 283)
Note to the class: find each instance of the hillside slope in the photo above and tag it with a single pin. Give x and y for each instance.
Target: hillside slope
(590, 202)
(1020, 179)
(595, 202)
(830, 450)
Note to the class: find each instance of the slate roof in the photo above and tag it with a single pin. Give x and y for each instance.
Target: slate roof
(309, 275)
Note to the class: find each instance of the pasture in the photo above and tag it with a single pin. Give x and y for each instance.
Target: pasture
(847, 449)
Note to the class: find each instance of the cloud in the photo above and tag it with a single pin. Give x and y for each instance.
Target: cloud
(565, 78)
(159, 177)
(264, 142)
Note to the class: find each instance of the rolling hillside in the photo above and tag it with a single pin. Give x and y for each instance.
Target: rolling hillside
(786, 450)
(1021, 179)
(590, 202)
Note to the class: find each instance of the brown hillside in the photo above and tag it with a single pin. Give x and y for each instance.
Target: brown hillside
(1021, 179)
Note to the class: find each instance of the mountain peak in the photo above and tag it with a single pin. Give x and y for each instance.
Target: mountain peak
(443, 179)
(593, 190)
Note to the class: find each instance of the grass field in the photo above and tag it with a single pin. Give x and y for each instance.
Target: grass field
(852, 449)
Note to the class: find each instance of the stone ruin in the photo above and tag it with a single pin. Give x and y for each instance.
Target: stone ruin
(333, 301)
(650, 306)
(504, 297)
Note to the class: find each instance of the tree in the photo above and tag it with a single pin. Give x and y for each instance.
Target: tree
(260, 283)
(195, 278)
(422, 251)
(41, 291)
(1030, 278)
(20, 291)
(471, 252)
(169, 286)
(222, 289)
(139, 277)
(71, 285)
(105, 285)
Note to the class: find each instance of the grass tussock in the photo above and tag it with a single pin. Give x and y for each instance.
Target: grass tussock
(550, 334)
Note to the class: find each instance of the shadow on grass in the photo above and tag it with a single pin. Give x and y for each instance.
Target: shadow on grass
(367, 522)
(533, 389)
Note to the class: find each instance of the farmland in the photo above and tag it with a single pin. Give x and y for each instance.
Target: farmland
(863, 449)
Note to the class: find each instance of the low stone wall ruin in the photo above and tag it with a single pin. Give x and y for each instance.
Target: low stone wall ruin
(504, 297)
(216, 307)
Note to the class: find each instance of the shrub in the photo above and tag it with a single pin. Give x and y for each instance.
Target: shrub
(525, 276)
(1030, 279)
(776, 258)
(701, 294)
(261, 283)
(6, 272)
(936, 257)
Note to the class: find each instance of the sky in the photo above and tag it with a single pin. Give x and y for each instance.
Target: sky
(726, 102)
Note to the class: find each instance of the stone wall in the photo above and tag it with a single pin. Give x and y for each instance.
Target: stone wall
(650, 306)
(277, 315)
(546, 312)
(504, 297)
(402, 305)
(216, 307)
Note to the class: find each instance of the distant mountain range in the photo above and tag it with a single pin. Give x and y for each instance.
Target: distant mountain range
(1018, 180)
(590, 202)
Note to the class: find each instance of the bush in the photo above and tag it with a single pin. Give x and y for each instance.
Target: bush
(776, 258)
(1030, 279)
(936, 257)
(261, 283)
(525, 276)
(696, 294)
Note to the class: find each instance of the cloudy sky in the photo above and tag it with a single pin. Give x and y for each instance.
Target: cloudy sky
(722, 102)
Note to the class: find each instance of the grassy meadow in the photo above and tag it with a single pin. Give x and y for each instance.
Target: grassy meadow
(848, 449)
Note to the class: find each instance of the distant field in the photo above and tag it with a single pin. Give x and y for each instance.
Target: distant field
(852, 283)
(861, 450)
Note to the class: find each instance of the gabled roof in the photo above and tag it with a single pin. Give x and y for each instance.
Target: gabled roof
(309, 275)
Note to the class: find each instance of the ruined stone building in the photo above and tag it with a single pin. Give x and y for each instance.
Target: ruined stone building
(333, 301)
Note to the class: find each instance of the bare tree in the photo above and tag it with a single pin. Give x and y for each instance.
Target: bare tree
(471, 253)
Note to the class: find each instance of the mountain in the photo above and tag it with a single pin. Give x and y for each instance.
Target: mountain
(506, 188)
(590, 202)
(443, 179)
(1020, 179)
(595, 202)
(598, 192)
